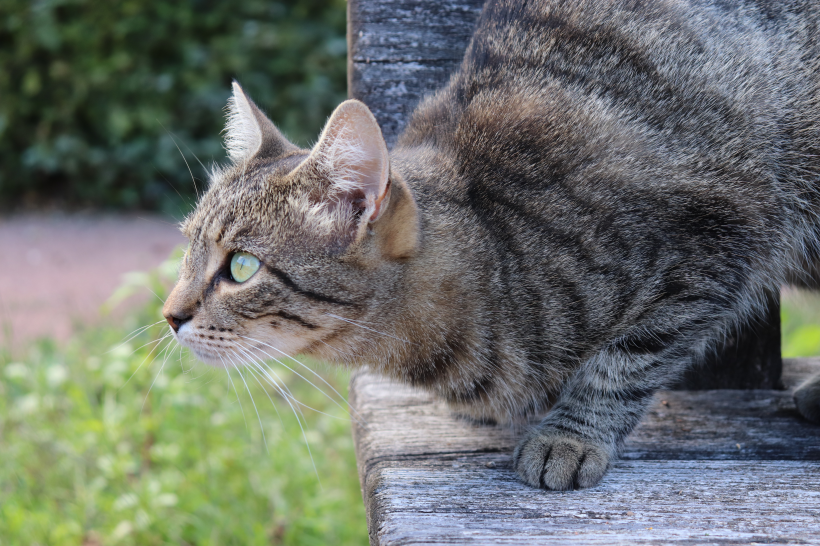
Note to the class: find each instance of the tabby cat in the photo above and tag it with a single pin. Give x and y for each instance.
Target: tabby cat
(601, 191)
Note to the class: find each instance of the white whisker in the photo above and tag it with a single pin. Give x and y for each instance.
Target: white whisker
(149, 343)
(261, 428)
(322, 379)
(258, 364)
(197, 160)
(155, 294)
(157, 341)
(354, 323)
(132, 335)
(280, 385)
(155, 377)
(196, 190)
(227, 371)
(256, 376)
(298, 413)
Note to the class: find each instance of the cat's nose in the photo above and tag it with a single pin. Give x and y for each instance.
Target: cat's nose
(177, 321)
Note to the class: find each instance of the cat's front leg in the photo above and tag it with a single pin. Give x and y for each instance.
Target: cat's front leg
(575, 443)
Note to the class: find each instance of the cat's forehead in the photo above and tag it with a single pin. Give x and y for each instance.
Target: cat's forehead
(249, 207)
(255, 177)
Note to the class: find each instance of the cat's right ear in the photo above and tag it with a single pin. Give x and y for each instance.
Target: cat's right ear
(249, 133)
(356, 193)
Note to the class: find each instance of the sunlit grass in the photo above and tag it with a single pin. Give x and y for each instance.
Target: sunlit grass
(90, 457)
(800, 323)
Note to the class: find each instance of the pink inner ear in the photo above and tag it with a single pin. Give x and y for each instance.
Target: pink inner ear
(356, 157)
(378, 204)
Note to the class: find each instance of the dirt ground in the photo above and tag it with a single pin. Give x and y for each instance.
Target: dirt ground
(58, 269)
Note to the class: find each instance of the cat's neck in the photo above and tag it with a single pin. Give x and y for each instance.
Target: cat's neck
(441, 326)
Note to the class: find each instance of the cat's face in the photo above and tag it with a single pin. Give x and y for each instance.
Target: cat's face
(287, 245)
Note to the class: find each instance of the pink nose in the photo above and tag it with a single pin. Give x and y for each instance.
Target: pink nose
(175, 322)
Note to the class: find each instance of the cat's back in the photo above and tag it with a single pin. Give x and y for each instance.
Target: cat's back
(589, 148)
(690, 87)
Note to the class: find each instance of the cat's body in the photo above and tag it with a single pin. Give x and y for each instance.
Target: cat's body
(602, 190)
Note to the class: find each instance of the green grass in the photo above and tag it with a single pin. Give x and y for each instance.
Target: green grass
(800, 323)
(90, 457)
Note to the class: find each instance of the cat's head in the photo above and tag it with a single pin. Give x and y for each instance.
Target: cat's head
(288, 244)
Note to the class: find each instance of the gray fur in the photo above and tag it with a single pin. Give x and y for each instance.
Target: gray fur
(599, 194)
(807, 399)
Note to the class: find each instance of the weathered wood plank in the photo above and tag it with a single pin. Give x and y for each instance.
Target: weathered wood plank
(461, 501)
(739, 465)
(692, 424)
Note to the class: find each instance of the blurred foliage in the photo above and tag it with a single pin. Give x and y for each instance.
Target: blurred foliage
(95, 93)
(800, 323)
(118, 441)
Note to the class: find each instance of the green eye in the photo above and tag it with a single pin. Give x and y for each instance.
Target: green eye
(243, 266)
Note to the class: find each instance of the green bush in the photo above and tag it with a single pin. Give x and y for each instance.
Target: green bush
(93, 94)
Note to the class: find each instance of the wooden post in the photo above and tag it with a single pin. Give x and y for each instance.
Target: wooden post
(401, 50)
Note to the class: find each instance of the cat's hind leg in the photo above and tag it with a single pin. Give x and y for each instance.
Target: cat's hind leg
(807, 399)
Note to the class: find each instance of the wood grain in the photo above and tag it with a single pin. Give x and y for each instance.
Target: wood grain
(401, 50)
(704, 467)
(461, 501)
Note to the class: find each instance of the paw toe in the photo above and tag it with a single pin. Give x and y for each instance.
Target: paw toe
(529, 458)
(560, 462)
(592, 468)
(562, 465)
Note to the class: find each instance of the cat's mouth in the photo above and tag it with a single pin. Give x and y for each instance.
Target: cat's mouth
(207, 355)
(210, 349)
(233, 350)
(212, 359)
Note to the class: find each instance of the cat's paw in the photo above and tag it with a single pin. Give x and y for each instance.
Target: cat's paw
(555, 460)
(807, 399)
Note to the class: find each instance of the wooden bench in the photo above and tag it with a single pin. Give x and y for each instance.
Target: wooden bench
(704, 467)
(709, 466)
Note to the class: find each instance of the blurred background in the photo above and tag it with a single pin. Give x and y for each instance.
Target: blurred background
(98, 96)
(110, 116)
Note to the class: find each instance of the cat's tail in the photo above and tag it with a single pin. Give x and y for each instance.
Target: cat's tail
(807, 399)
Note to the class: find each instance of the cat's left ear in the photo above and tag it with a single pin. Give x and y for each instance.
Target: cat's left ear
(351, 156)
(249, 133)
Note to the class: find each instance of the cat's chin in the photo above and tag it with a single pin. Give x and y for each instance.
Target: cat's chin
(258, 352)
(210, 359)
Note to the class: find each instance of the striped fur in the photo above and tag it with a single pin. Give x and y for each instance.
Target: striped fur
(602, 190)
